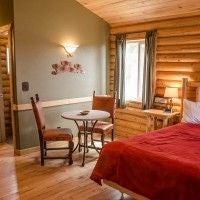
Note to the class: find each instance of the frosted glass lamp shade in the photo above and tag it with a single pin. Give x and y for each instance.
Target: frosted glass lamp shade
(171, 92)
(70, 49)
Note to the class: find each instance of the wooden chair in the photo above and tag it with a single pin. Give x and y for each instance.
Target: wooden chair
(104, 103)
(59, 134)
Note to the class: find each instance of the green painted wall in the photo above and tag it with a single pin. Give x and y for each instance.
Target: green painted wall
(5, 12)
(40, 28)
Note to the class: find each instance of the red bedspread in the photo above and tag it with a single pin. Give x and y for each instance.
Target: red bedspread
(161, 165)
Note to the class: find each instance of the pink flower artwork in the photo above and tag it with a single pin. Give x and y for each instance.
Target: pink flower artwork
(66, 66)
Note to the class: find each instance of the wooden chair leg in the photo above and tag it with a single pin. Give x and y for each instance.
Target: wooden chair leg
(42, 152)
(45, 148)
(79, 141)
(71, 147)
(112, 135)
(102, 139)
(87, 149)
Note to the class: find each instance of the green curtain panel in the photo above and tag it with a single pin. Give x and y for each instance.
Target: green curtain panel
(120, 70)
(149, 70)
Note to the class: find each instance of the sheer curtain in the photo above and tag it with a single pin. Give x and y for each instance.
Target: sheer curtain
(149, 70)
(120, 70)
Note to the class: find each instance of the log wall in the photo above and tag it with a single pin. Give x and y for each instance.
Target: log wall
(177, 57)
(5, 84)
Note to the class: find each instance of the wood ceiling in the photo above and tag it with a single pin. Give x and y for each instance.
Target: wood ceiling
(121, 12)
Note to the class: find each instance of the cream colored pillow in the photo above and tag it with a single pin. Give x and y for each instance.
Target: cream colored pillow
(191, 112)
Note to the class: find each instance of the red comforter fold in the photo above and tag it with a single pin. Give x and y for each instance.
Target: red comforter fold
(161, 165)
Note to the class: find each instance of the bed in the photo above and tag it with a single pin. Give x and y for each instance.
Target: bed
(161, 165)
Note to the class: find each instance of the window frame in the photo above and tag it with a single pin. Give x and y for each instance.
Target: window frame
(140, 42)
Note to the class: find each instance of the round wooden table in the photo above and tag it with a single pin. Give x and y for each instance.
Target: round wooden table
(94, 116)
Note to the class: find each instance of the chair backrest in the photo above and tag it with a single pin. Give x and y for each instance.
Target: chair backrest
(38, 112)
(104, 103)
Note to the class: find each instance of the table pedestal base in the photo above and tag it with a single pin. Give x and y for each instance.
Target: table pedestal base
(85, 134)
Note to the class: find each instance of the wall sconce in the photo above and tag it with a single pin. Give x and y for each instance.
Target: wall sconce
(70, 49)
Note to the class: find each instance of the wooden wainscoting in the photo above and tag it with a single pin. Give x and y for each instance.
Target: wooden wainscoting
(53, 103)
(177, 57)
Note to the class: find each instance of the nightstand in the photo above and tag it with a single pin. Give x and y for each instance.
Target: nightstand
(154, 114)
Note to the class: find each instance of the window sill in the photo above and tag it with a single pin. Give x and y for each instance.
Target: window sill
(134, 104)
(134, 101)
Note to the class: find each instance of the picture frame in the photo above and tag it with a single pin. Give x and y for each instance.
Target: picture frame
(160, 100)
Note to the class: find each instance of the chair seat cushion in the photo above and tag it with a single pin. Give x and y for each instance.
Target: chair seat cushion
(58, 134)
(100, 127)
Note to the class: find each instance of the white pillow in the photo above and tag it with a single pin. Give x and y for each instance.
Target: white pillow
(191, 112)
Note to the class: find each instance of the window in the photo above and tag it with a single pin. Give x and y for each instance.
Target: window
(134, 70)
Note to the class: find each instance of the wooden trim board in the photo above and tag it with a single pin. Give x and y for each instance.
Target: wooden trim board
(46, 104)
(20, 152)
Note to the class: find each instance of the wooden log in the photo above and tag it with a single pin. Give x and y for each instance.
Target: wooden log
(181, 48)
(178, 66)
(112, 65)
(131, 118)
(178, 22)
(3, 62)
(112, 59)
(176, 76)
(112, 52)
(111, 78)
(3, 37)
(179, 31)
(168, 83)
(132, 111)
(112, 38)
(6, 97)
(111, 92)
(5, 77)
(112, 45)
(5, 83)
(127, 131)
(132, 125)
(4, 70)
(112, 73)
(7, 115)
(6, 90)
(130, 36)
(191, 39)
(7, 103)
(111, 86)
(8, 121)
(3, 42)
(7, 108)
(136, 36)
(3, 56)
(3, 49)
(190, 57)
(134, 104)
